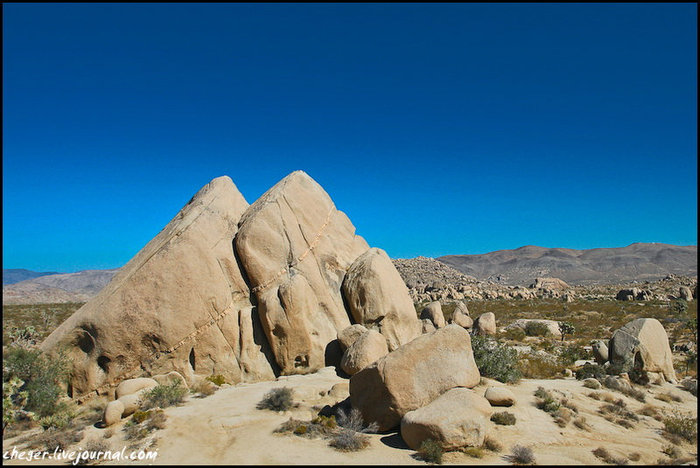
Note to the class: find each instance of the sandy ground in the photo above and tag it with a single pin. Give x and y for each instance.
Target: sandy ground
(226, 428)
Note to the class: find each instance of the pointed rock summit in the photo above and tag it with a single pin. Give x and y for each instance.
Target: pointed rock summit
(246, 291)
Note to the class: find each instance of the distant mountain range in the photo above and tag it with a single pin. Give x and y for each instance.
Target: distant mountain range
(636, 262)
(15, 275)
(639, 261)
(60, 287)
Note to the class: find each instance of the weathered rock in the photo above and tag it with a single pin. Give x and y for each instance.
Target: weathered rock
(348, 335)
(296, 247)
(340, 390)
(549, 283)
(377, 298)
(427, 326)
(433, 312)
(642, 344)
(499, 396)
(113, 413)
(685, 293)
(600, 352)
(485, 324)
(169, 378)
(552, 325)
(131, 402)
(177, 305)
(591, 383)
(414, 375)
(130, 386)
(461, 317)
(364, 351)
(457, 418)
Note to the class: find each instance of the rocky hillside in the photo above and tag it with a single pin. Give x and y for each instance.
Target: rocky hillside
(636, 262)
(15, 275)
(64, 287)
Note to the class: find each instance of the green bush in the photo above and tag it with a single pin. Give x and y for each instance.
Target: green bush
(590, 370)
(515, 334)
(162, 396)
(217, 379)
(495, 360)
(503, 418)
(537, 329)
(522, 455)
(682, 425)
(41, 375)
(431, 451)
(277, 399)
(572, 353)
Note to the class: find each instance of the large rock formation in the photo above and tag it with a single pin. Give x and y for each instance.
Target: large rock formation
(642, 345)
(414, 375)
(248, 292)
(180, 304)
(378, 298)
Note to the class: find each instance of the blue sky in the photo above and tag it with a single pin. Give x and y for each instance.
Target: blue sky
(438, 128)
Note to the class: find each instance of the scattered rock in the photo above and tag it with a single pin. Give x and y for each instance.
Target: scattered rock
(591, 383)
(499, 396)
(485, 324)
(414, 375)
(458, 418)
(642, 344)
(433, 312)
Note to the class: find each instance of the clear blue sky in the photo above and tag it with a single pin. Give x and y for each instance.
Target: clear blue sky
(438, 129)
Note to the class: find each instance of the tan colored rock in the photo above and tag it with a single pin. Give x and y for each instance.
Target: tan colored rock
(177, 305)
(554, 284)
(642, 344)
(340, 390)
(130, 386)
(457, 418)
(485, 324)
(364, 351)
(433, 312)
(427, 326)
(113, 413)
(296, 247)
(461, 317)
(499, 396)
(685, 293)
(132, 403)
(348, 335)
(169, 378)
(414, 375)
(378, 298)
(600, 352)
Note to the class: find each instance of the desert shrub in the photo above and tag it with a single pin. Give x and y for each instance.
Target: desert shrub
(671, 451)
(668, 397)
(566, 403)
(53, 439)
(301, 429)
(594, 395)
(140, 416)
(492, 444)
(93, 452)
(162, 396)
(582, 424)
(590, 370)
(545, 401)
(566, 328)
(156, 420)
(690, 385)
(651, 411)
(495, 360)
(431, 451)
(537, 366)
(41, 376)
(617, 412)
(350, 436)
(277, 399)
(62, 418)
(624, 388)
(474, 452)
(217, 379)
(604, 455)
(522, 455)
(143, 423)
(635, 456)
(572, 353)
(562, 416)
(537, 329)
(203, 388)
(347, 440)
(503, 418)
(514, 334)
(681, 425)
